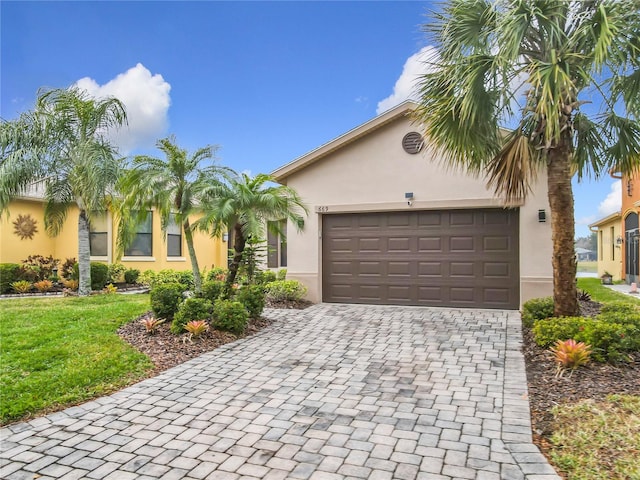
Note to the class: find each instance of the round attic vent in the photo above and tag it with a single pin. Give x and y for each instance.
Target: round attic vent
(412, 143)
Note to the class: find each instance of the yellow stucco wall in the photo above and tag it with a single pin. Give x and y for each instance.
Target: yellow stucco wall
(609, 252)
(211, 252)
(13, 249)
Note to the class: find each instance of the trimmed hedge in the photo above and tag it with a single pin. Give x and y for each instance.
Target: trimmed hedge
(191, 309)
(165, 299)
(9, 273)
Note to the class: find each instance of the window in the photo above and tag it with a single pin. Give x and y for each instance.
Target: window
(600, 245)
(99, 235)
(141, 245)
(174, 238)
(277, 247)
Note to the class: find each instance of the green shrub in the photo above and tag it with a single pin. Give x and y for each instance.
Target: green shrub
(116, 271)
(609, 341)
(618, 312)
(191, 309)
(9, 273)
(230, 316)
(165, 299)
(147, 277)
(547, 331)
(217, 273)
(131, 275)
(283, 290)
(282, 274)
(185, 278)
(265, 276)
(536, 309)
(252, 298)
(212, 290)
(99, 275)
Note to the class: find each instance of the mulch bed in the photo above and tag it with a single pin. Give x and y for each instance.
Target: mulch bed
(167, 350)
(593, 382)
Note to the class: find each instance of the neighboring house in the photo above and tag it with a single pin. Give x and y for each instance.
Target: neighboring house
(584, 255)
(22, 233)
(390, 225)
(618, 234)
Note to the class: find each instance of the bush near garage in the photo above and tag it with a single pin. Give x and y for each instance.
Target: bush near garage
(285, 290)
(253, 299)
(230, 316)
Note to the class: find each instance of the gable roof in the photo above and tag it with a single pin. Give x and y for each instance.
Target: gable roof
(313, 156)
(607, 219)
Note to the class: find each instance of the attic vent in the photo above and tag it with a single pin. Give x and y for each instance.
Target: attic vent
(412, 143)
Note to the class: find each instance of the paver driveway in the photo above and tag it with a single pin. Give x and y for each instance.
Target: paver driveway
(331, 392)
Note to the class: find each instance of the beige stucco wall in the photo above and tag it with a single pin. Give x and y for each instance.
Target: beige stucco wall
(374, 173)
(210, 251)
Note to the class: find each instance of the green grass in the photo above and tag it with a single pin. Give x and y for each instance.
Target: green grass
(601, 440)
(57, 352)
(591, 267)
(602, 294)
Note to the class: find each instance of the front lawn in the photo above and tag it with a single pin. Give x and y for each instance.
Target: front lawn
(602, 294)
(57, 352)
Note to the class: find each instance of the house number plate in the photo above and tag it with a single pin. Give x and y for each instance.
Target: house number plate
(322, 209)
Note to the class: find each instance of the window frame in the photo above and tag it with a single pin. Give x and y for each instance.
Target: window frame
(128, 254)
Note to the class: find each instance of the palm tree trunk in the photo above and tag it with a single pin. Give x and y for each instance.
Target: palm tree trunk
(238, 248)
(563, 230)
(84, 255)
(197, 279)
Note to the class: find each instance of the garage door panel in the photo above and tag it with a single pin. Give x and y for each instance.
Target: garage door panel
(430, 244)
(496, 269)
(461, 218)
(440, 258)
(461, 244)
(496, 244)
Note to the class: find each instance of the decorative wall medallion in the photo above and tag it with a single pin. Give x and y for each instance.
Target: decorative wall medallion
(25, 227)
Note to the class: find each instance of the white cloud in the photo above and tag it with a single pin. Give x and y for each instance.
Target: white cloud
(613, 202)
(146, 98)
(405, 87)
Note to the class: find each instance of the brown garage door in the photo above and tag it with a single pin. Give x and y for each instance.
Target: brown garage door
(455, 258)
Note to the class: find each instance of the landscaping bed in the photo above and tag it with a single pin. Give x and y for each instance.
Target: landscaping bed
(166, 350)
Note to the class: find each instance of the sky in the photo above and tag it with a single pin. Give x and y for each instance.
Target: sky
(265, 81)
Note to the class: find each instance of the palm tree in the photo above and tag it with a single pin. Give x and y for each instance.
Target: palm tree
(174, 186)
(565, 54)
(246, 206)
(61, 143)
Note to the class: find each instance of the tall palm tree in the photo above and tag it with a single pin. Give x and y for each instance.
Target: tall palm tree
(246, 206)
(174, 186)
(574, 65)
(61, 143)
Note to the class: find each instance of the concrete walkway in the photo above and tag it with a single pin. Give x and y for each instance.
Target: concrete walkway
(331, 392)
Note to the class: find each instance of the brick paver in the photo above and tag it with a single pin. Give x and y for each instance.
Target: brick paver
(331, 392)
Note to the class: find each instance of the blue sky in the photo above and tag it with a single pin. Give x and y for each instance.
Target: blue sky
(266, 81)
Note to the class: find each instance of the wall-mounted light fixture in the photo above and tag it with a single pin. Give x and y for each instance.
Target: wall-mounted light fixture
(225, 237)
(409, 197)
(542, 216)
(619, 240)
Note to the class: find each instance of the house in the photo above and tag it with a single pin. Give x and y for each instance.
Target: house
(618, 234)
(584, 255)
(391, 225)
(22, 234)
